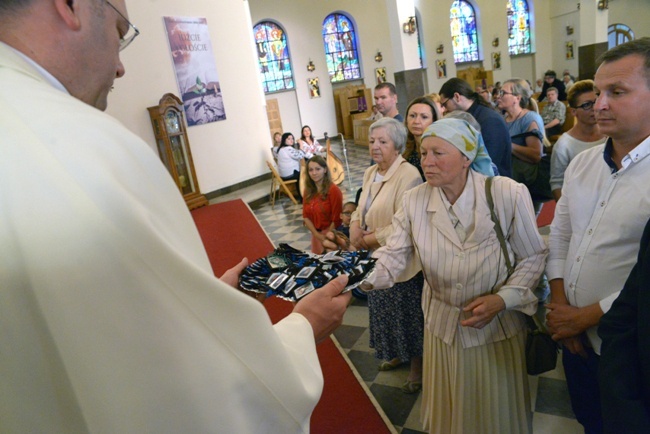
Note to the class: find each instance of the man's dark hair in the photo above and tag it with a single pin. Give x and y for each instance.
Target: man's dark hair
(13, 5)
(457, 85)
(639, 47)
(580, 87)
(550, 73)
(387, 85)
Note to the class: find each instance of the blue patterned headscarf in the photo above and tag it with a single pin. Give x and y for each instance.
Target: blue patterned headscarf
(466, 139)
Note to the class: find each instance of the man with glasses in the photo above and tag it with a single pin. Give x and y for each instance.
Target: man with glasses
(457, 94)
(584, 135)
(598, 223)
(111, 319)
(551, 80)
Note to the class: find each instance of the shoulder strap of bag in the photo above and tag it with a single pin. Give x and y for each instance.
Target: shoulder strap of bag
(532, 325)
(497, 226)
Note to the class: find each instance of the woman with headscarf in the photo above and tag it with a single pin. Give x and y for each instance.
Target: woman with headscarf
(396, 321)
(474, 376)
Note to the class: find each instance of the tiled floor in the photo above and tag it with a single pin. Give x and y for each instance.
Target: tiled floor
(283, 223)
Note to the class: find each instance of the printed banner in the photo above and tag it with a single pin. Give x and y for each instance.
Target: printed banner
(196, 70)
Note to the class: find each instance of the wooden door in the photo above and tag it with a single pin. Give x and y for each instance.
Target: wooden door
(273, 115)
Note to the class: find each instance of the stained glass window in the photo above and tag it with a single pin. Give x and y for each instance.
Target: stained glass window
(464, 37)
(273, 57)
(618, 34)
(518, 27)
(341, 53)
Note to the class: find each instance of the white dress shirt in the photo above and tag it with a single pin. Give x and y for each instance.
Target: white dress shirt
(598, 223)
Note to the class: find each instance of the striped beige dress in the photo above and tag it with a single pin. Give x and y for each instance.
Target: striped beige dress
(475, 380)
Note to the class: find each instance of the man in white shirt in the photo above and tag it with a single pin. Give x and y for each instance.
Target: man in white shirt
(599, 221)
(583, 135)
(111, 319)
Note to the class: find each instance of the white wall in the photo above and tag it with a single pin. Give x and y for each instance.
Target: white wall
(566, 14)
(634, 13)
(288, 105)
(225, 152)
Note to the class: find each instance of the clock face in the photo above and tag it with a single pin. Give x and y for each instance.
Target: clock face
(172, 122)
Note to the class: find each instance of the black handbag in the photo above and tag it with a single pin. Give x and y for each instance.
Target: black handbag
(541, 349)
(537, 177)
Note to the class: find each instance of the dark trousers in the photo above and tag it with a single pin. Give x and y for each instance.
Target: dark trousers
(296, 176)
(582, 381)
(554, 130)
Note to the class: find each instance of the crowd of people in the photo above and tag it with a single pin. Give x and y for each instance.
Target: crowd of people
(473, 308)
(112, 319)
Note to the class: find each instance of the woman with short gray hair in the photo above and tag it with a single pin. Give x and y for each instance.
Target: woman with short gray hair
(396, 319)
(395, 131)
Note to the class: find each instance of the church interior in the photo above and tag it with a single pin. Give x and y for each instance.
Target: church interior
(407, 42)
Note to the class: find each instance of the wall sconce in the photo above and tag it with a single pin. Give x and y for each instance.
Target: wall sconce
(495, 42)
(440, 49)
(569, 30)
(310, 66)
(409, 26)
(378, 57)
(603, 4)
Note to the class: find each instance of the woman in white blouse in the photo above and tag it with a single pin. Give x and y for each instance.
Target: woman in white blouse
(474, 377)
(308, 144)
(289, 160)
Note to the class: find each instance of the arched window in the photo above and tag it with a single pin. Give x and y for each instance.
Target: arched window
(518, 27)
(273, 57)
(618, 34)
(464, 36)
(341, 53)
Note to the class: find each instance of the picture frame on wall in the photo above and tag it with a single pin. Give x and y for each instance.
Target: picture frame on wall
(380, 75)
(570, 45)
(314, 87)
(496, 60)
(441, 68)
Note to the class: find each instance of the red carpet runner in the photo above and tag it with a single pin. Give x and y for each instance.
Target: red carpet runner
(545, 217)
(230, 232)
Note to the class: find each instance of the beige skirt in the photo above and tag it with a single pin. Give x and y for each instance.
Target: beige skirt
(475, 390)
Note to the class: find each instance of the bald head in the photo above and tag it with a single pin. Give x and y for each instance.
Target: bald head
(77, 41)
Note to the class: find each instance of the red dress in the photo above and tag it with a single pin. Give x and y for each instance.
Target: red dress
(322, 212)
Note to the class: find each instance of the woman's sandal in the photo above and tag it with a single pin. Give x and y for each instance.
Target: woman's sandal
(388, 365)
(411, 386)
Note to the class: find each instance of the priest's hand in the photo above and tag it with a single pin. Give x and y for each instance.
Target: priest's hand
(231, 276)
(324, 308)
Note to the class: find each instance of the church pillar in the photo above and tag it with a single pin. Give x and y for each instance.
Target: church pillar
(409, 77)
(593, 36)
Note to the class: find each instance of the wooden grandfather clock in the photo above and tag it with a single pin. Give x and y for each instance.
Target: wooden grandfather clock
(168, 121)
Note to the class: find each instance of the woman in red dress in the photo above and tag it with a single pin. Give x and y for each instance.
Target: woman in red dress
(322, 203)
